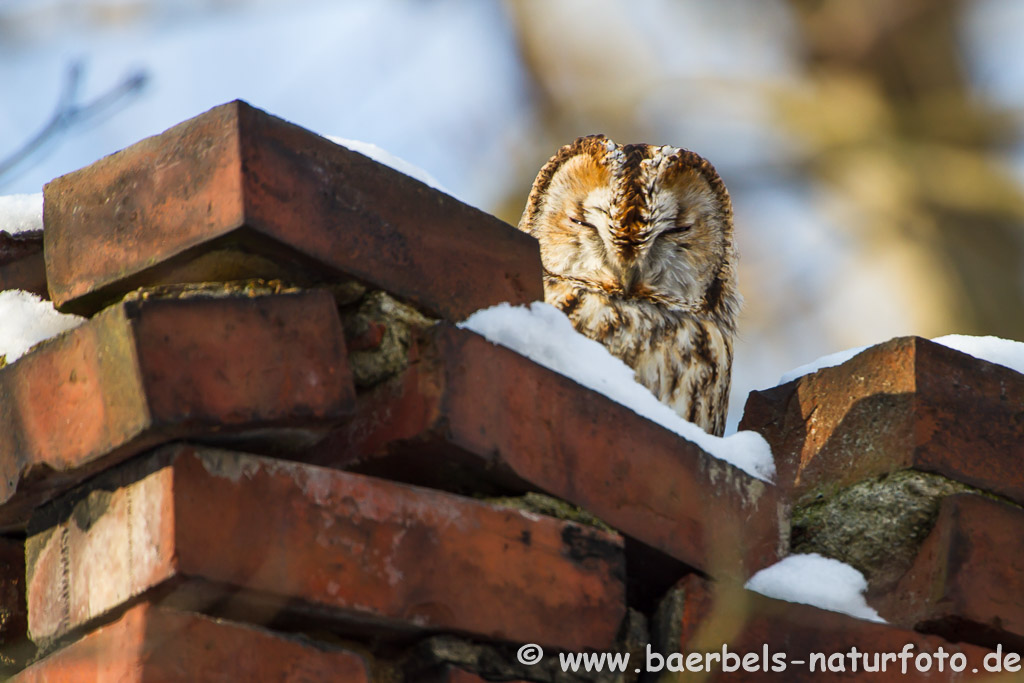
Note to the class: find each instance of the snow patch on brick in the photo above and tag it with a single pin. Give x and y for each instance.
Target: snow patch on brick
(546, 336)
(21, 213)
(29, 320)
(1005, 352)
(818, 581)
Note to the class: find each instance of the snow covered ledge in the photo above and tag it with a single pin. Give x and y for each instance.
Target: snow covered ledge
(546, 336)
(1005, 352)
(28, 320)
(21, 213)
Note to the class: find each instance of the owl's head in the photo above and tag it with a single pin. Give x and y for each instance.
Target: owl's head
(637, 222)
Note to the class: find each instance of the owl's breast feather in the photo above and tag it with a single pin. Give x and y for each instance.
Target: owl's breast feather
(682, 359)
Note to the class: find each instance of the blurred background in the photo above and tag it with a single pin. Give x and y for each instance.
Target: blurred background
(873, 148)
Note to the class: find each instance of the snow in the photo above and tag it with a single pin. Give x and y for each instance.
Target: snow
(815, 580)
(28, 320)
(1005, 352)
(21, 213)
(368, 149)
(545, 335)
(832, 359)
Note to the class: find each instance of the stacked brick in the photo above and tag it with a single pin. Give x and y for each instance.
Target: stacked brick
(269, 453)
(907, 461)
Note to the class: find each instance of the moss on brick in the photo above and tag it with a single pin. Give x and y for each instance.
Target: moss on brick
(389, 326)
(211, 290)
(542, 504)
(875, 525)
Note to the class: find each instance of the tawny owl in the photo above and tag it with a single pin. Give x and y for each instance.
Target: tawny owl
(637, 247)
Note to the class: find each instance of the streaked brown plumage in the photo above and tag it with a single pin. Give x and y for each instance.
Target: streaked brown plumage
(638, 251)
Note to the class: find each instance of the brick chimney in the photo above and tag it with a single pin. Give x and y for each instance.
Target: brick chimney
(269, 453)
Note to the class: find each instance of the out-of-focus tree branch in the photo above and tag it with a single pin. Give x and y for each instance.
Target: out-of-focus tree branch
(897, 128)
(70, 112)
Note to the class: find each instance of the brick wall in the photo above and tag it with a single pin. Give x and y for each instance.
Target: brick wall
(269, 454)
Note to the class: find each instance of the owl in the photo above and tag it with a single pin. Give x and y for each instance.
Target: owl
(637, 248)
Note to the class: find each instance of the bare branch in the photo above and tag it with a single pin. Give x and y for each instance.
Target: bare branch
(70, 112)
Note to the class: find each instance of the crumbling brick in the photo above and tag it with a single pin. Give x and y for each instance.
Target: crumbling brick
(264, 540)
(379, 331)
(237, 193)
(150, 370)
(150, 643)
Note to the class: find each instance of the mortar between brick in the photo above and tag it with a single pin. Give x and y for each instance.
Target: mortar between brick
(876, 525)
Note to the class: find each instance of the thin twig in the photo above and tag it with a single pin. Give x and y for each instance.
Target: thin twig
(69, 112)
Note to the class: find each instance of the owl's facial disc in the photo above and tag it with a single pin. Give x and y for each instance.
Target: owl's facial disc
(652, 228)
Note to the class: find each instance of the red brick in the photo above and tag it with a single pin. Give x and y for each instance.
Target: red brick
(21, 262)
(967, 582)
(468, 413)
(154, 644)
(237, 193)
(301, 541)
(701, 617)
(144, 372)
(906, 404)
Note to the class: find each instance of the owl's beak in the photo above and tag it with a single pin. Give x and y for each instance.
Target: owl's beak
(628, 276)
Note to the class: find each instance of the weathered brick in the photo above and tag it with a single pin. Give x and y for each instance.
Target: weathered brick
(238, 193)
(470, 415)
(21, 262)
(150, 643)
(702, 617)
(15, 647)
(967, 582)
(906, 404)
(261, 539)
(147, 371)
